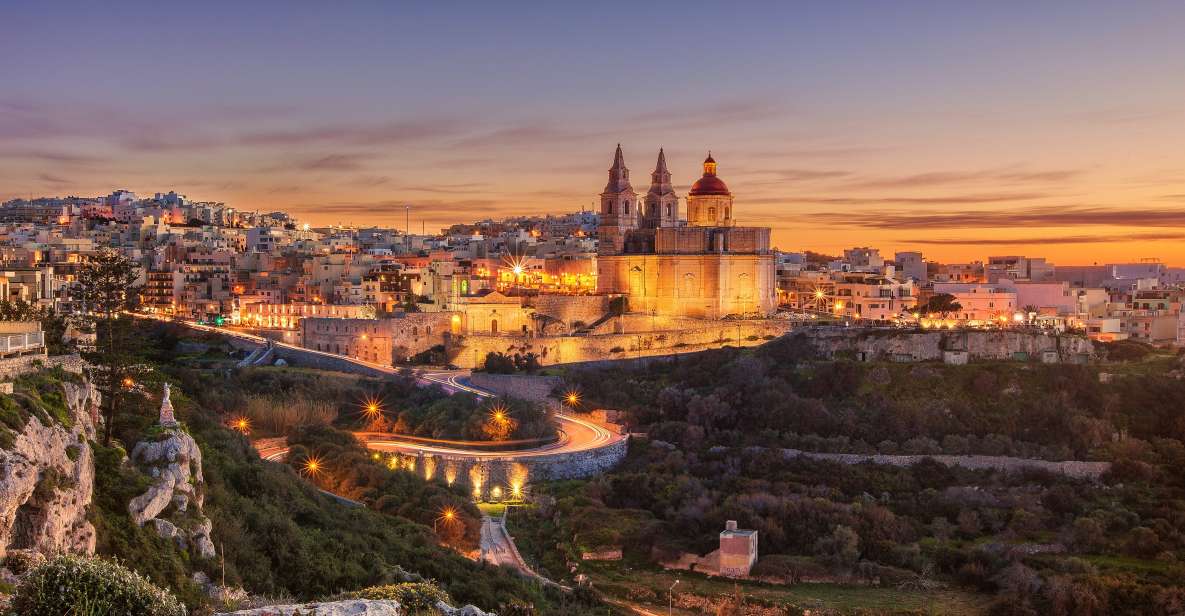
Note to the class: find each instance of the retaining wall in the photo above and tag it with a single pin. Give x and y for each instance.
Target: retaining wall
(878, 344)
(483, 475)
(525, 387)
(1077, 469)
(551, 350)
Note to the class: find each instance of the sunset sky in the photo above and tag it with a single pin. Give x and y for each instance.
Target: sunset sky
(1052, 128)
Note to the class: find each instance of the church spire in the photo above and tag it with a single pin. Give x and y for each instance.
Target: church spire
(660, 180)
(619, 175)
(662, 205)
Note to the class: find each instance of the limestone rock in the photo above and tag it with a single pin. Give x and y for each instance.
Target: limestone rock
(468, 610)
(47, 479)
(351, 607)
(173, 503)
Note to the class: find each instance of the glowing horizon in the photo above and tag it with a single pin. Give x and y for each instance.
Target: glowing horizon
(958, 131)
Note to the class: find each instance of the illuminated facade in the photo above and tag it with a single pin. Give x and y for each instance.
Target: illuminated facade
(706, 267)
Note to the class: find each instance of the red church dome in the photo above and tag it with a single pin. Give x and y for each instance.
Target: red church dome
(709, 184)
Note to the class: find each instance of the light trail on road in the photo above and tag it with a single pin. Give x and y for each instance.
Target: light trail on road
(578, 434)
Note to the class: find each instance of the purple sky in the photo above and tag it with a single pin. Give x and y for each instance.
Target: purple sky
(957, 129)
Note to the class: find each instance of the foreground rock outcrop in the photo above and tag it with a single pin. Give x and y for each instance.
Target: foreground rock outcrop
(47, 471)
(353, 607)
(173, 503)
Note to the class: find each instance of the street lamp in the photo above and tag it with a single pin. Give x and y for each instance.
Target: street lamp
(671, 598)
(448, 514)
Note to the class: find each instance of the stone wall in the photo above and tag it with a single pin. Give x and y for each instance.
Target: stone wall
(525, 387)
(571, 308)
(698, 336)
(484, 475)
(12, 367)
(1072, 468)
(872, 344)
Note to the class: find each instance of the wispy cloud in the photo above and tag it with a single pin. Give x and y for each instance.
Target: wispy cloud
(946, 178)
(863, 217)
(1044, 240)
(1065, 216)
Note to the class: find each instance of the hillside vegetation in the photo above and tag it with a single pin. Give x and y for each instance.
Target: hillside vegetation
(1034, 542)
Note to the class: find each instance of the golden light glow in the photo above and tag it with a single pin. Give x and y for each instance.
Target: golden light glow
(242, 424)
(572, 398)
(128, 382)
(372, 408)
(312, 466)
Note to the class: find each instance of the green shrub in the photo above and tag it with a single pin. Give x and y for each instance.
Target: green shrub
(91, 586)
(410, 595)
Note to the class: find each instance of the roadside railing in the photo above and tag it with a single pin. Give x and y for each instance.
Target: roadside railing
(10, 343)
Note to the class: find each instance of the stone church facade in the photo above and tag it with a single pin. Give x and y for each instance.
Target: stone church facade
(703, 267)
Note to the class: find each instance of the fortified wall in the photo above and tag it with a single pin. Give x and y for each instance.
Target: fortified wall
(873, 344)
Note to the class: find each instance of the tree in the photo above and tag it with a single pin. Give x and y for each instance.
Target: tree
(942, 304)
(20, 310)
(106, 288)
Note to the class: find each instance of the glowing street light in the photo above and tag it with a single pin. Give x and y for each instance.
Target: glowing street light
(373, 408)
(572, 398)
(448, 514)
(242, 424)
(312, 466)
(128, 383)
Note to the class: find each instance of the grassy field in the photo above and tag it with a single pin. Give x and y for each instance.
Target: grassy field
(493, 510)
(648, 588)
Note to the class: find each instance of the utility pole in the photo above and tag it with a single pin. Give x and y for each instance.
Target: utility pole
(407, 219)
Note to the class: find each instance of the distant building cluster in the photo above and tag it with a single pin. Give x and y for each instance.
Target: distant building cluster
(1137, 301)
(569, 287)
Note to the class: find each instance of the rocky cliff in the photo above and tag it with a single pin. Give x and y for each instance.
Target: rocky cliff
(47, 467)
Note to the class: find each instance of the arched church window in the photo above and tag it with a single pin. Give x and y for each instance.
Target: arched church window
(728, 212)
(711, 212)
(626, 210)
(668, 210)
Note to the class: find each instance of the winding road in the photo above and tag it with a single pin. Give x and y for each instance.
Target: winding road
(576, 434)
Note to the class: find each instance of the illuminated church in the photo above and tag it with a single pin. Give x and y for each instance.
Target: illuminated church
(704, 266)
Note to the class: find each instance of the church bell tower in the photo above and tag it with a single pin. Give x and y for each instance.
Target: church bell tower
(619, 208)
(662, 204)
